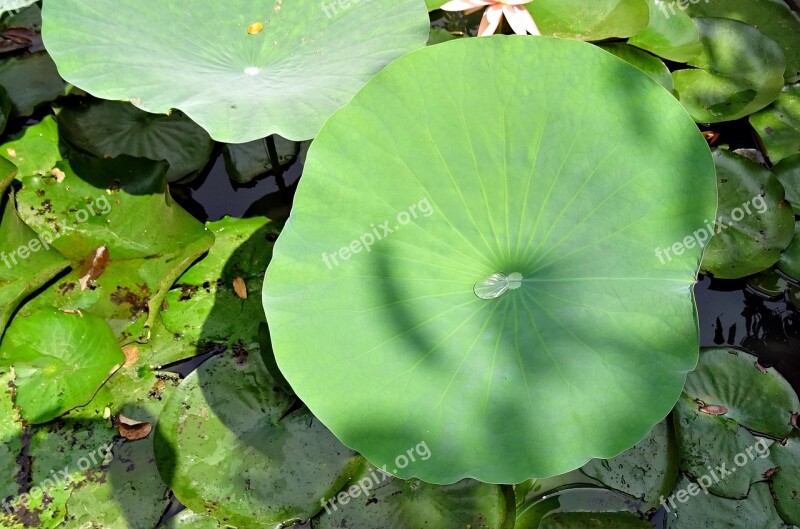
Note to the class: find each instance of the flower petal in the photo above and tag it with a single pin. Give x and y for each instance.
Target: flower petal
(463, 5)
(514, 2)
(490, 21)
(520, 20)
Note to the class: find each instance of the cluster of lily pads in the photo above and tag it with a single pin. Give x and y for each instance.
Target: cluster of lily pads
(523, 328)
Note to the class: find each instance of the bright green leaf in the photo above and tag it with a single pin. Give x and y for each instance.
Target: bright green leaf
(310, 58)
(404, 351)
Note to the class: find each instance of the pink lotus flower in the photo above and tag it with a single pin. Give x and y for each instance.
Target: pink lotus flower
(518, 17)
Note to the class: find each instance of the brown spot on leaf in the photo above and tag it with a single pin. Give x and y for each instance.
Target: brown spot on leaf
(58, 174)
(131, 353)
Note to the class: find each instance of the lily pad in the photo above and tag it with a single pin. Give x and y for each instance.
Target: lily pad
(36, 151)
(670, 33)
(592, 506)
(11, 431)
(218, 299)
(649, 64)
(723, 457)
(62, 368)
(786, 482)
(788, 173)
(596, 20)
(110, 128)
(31, 80)
(414, 504)
(579, 520)
(789, 262)
(778, 125)
(760, 401)
(647, 471)
(565, 231)
(707, 511)
(121, 204)
(271, 467)
(774, 18)
(754, 223)
(25, 263)
(739, 72)
(287, 79)
(191, 520)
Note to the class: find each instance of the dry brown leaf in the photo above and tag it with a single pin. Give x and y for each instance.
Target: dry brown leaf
(240, 287)
(131, 429)
(93, 266)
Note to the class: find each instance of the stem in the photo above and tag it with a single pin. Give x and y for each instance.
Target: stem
(269, 143)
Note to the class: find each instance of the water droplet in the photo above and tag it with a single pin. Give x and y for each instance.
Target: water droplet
(496, 285)
(252, 70)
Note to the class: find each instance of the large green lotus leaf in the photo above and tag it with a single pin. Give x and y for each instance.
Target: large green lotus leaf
(402, 348)
(774, 18)
(739, 72)
(707, 511)
(246, 161)
(778, 125)
(378, 501)
(197, 56)
(788, 173)
(760, 401)
(649, 64)
(122, 204)
(36, 151)
(711, 443)
(786, 482)
(204, 306)
(647, 471)
(270, 467)
(21, 272)
(111, 128)
(594, 507)
(59, 369)
(789, 262)
(593, 20)
(754, 223)
(670, 33)
(30, 80)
